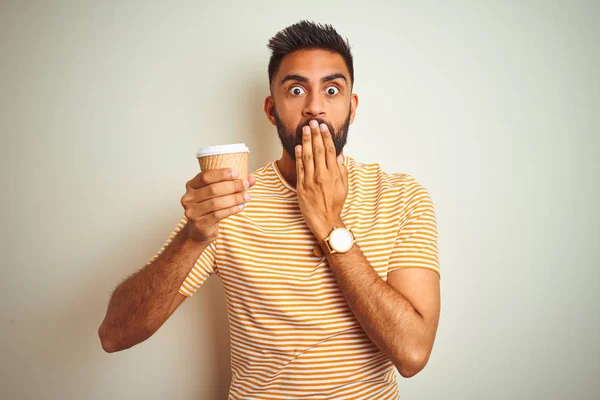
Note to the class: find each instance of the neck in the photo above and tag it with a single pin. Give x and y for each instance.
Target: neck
(287, 167)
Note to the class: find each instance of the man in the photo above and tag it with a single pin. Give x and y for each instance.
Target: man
(330, 266)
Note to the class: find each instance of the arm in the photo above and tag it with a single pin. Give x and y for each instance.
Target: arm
(400, 316)
(141, 304)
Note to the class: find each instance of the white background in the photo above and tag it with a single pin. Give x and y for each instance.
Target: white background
(493, 107)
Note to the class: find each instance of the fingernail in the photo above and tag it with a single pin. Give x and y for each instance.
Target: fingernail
(306, 130)
(241, 206)
(246, 184)
(247, 197)
(235, 174)
(313, 124)
(341, 159)
(323, 127)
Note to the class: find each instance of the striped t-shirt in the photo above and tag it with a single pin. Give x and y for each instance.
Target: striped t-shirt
(292, 334)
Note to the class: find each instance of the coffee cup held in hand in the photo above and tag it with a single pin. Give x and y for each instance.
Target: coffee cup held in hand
(234, 156)
(216, 193)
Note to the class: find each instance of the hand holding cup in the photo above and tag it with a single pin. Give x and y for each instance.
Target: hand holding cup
(219, 191)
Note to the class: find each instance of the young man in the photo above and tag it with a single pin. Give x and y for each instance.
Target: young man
(330, 266)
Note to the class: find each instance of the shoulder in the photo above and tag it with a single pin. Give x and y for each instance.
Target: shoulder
(401, 190)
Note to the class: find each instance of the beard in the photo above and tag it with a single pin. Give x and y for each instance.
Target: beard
(290, 139)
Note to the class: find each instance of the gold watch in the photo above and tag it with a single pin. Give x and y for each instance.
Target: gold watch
(340, 240)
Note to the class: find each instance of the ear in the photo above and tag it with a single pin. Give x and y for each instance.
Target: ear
(269, 110)
(353, 105)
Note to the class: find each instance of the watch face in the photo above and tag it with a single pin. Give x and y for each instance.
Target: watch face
(341, 240)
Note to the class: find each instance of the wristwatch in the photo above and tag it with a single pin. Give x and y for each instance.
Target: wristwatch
(340, 240)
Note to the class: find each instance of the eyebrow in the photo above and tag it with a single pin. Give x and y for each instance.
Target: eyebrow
(300, 78)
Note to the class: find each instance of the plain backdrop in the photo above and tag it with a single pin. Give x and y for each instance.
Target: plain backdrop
(493, 106)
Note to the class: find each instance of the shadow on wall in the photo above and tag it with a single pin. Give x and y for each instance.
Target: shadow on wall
(210, 312)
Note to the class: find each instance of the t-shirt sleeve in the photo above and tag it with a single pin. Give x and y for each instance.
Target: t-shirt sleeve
(202, 270)
(416, 243)
(204, 267)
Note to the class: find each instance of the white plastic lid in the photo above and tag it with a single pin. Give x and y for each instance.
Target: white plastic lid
(222, 149)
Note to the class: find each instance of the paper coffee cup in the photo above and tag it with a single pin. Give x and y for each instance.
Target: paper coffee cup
(234, 156)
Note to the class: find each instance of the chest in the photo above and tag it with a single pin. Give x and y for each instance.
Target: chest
(270, 248)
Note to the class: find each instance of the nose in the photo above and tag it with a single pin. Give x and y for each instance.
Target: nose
(315, 106)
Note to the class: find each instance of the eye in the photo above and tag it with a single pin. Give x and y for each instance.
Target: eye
(296, 91)
(332, 90)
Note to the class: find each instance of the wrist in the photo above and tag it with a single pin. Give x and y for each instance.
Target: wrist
(193, 248)
(189, 240)
(324, 231)
(339, 241)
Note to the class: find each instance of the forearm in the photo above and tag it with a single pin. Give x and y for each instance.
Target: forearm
(140, 305)
(386, 316)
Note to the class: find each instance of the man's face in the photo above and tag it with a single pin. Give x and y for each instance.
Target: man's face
(311, 84)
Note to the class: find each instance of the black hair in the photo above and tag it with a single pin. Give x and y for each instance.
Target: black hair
(307, 35)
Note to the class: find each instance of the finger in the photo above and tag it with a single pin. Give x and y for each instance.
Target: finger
(219, 189)
(299, 167)
(330, 158)
(218, 216)
(209, 206)
(216, 190)
(318, 148)
(343, 170)
(307, 155)
(212, 176)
